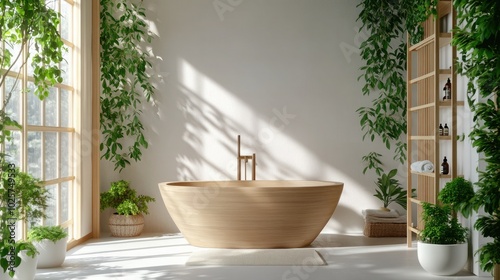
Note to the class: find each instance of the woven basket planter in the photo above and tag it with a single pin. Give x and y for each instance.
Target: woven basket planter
(126, 226)
(384, 230)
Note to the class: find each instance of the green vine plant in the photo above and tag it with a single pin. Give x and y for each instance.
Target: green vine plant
(27, 24)
(125, 80)
(478, 41)
(384, 72)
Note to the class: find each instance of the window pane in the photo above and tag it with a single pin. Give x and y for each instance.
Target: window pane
(65, 201)
(35, 154)
(51, 210)
(66, 163)
(13, 149)
(66, 70)
(14, 51)
(32, 52)
(66, 108)
(50, 155)
(51, 108)
(13, 88)
(34, 106)
(66, 20)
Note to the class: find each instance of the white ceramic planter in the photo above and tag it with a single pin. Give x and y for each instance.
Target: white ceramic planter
(440, 259)
(51, 254)
(25, 271)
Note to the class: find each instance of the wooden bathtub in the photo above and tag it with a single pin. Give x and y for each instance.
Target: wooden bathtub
(251, 214)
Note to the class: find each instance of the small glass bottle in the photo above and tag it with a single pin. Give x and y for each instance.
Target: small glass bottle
(440, 129)
(447, 90)
(445, 167)
(446, 130)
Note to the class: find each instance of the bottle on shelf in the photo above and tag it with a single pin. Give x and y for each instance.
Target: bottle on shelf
(441, 130)
(447, 90)
(445, 167)
(446, 130)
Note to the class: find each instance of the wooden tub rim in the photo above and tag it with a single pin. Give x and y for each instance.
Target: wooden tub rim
(254, 184)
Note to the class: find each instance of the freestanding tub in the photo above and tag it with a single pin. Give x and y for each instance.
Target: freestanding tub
(251, 214)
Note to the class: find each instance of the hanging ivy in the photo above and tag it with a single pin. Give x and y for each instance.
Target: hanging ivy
(384, 72)
(125, 80)
(478, 41)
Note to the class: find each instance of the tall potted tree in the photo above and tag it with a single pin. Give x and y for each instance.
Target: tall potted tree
(442, 249)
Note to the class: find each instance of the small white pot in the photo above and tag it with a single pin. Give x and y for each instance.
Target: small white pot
(51, 254)
(25, 271)
(441, 259)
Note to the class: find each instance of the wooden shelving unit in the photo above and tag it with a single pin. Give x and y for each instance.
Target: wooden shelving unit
(430, 64)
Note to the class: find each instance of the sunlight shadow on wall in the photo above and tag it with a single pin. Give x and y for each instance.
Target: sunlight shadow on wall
(214, 117)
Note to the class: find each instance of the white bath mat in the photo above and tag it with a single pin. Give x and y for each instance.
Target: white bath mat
(257, 257)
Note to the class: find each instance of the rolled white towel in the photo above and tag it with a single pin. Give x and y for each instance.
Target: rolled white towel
(422, 166)
(427, 166)
(380, 213)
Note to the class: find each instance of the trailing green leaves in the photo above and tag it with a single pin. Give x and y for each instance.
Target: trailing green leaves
(125, 80)
(384, 72)
(384, 53)
(478, 41)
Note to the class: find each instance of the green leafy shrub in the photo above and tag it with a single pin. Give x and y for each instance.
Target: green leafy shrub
(477, 39)
(440, 226)
(124, 199)
(458, 193)
(30, 202)
(52, 233)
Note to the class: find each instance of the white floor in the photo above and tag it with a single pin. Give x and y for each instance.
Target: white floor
(163, 256)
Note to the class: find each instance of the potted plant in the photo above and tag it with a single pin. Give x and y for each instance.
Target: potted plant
(50, 241)
(390, 190)
(386, 222)
(19, 257)
(128, 219)
(27, 259)
(442, 249)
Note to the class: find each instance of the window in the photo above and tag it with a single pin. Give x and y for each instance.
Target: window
(45, 146)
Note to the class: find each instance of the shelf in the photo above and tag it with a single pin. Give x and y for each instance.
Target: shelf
(414, 229)
(414, 200)
(422, 43)
(426, 174)
(444, 39)
(448, 103)
(423, 77)
(424, 106)
(444, 7)
(431, 175)
(443, 137)
(445, 72)
(425, 137)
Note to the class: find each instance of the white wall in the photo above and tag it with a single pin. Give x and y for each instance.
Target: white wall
(282, 74)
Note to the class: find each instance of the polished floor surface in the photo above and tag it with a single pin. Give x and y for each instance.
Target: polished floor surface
(163, 256)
